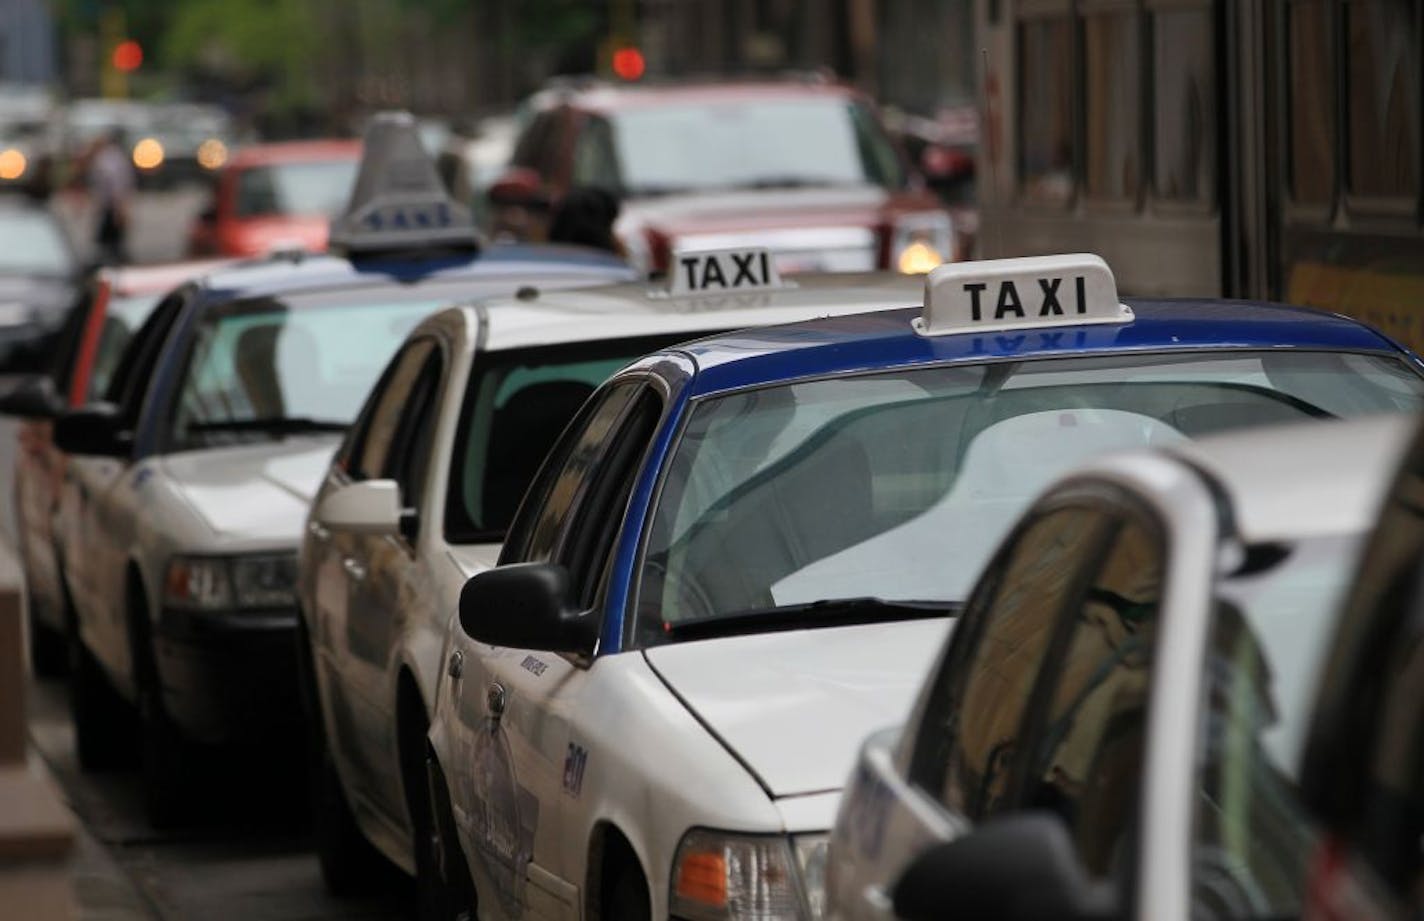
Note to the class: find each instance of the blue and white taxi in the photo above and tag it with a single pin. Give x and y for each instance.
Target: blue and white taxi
(1115, 728)
(191, 479)
(741, 555)
(420, 495)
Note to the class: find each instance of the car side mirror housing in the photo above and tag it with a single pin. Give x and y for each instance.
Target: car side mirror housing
(32, 398)
(96, 429)
(363, 507)
(527, 606)
(1020, 867)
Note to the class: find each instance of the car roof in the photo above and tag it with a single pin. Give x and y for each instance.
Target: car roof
(607, 97)
(1304, 480)
(294, 152)
(299, 272)
(130, 281)
(886, 340)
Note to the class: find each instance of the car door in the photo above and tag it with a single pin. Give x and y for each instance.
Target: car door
(103, 495)
(362, 606)
(522, 777)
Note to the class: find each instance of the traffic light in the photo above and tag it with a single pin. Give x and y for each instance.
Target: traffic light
(128, 55)
(628, 63)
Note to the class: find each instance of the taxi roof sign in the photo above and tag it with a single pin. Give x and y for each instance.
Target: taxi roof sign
(1029, 293)
(398, 201)
(723, 271)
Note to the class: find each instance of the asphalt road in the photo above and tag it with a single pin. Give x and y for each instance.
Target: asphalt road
(161, 219)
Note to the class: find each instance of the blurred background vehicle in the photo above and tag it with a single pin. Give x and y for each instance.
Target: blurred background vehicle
(183, 141)
(39, 283)
(276, 196)
(27, 135)
(800, 166)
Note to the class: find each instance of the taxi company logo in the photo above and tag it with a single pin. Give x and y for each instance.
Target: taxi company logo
(1009, 303)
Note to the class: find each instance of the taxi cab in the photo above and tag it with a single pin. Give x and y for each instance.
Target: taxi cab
(1114, 730)
(1361, 777)
(740, 557)
(419, 497)
(184, 509)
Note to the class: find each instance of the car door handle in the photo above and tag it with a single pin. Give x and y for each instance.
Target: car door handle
(354, 569)
(318, 531)
(456, 668)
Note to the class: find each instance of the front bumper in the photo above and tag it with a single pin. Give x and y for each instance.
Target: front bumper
(228, 677)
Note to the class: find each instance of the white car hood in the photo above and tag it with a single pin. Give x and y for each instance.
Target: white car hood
(254, 492)
(795, 706)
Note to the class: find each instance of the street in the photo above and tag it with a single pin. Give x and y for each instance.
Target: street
(160, 222)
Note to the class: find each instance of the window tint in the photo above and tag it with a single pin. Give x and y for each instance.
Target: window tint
(1112, 58)
(1383, 59)
(970, 731)
(371, 448)
(1184, 117)
(1086, 761)
(1312, 159)
(1046, 107)
(565, 477)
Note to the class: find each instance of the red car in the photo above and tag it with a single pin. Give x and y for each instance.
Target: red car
(276, 196)
(802, 168)
(116, 303)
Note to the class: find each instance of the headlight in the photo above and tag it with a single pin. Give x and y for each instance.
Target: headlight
(12, 164)
(920, 242)
(148, 154)
(718, 876)
(212, 154)
(216, 583)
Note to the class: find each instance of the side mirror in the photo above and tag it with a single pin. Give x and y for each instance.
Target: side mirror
(527, 606)
(94, 429)
(364, 507)
(1020, 867)
(32, 398)
(518, 186)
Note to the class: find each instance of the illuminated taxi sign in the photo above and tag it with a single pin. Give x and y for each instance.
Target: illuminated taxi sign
(398, 202)
(1031, 293)
(723, 271)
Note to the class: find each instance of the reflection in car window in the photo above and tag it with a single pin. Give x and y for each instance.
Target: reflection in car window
(311, 188)
(930, 467)
(1269, 635)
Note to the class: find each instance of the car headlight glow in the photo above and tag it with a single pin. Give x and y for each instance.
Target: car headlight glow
(212, 154)
(721, 876)
(148, 154)
(223, 583)
(919, 242)
(12, 164)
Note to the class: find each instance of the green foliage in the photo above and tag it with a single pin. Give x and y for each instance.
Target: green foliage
(267, 42)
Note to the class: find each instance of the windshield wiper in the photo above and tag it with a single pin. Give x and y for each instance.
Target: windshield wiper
(828, 612)
(789, 182)
(274, 425)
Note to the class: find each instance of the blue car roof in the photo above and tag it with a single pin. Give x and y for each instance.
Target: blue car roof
(288, 275)
(885, 340)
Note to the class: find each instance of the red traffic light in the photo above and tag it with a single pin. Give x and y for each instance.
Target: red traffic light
(128, 55)
(628, 63)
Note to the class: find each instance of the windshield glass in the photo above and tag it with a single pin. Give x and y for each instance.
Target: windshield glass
(31, 242)
(752, 143)
(318, 188)
(517, 403)
(262, 368)
(900, 485)
(1253, 840)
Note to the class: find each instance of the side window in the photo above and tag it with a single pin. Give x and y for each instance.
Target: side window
(538, 148)
(1085, 760)
(408, 463)
(130, 380)
(565, 477)
(969, 733)
(595, 163)
(369, 456)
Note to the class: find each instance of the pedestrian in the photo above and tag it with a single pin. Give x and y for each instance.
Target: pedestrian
(585, 216)
(111, 188)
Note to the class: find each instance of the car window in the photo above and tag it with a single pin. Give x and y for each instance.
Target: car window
(538, 148)
(594, 161)
(371, 445)
(129, 382)
(969, 731)
(1084, 760)
(565, 477)
(316, 188)
(409, 456)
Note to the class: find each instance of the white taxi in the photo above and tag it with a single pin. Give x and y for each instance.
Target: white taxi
(419, 497)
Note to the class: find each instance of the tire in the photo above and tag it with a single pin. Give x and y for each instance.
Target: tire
(625, 896)
(349, 863)
(444, 890)
(100, 717)
(167, 763)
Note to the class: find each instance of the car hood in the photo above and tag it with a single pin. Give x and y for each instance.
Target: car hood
(253, 492)
(795, 706)
(37, 297)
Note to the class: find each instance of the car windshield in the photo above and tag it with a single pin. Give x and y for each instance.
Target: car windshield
(752, 143)
(316, 188)
(1252, 839)
(516, 404)
(32, 243)
(899, 485)
(267, 368)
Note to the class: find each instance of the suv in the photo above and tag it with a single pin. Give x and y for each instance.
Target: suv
(802, 168)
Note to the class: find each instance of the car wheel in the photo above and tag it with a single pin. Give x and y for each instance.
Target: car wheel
(166, 763)
(98, 714)
(444, 889)
(349, 864)
(626, 895)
